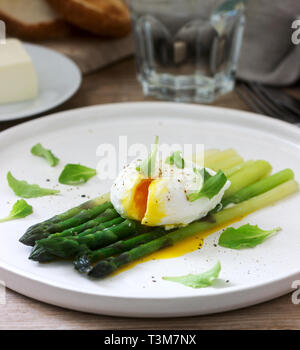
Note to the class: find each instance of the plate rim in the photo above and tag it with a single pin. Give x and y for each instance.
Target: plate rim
(217, 292)
(59, 101)
(42, 281)
(266, 120)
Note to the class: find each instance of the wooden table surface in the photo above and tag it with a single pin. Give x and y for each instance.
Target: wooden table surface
(117, 83)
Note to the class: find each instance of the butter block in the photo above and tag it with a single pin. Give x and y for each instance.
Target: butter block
(18, 79)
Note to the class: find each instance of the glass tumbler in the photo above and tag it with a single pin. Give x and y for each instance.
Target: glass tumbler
(187, 50)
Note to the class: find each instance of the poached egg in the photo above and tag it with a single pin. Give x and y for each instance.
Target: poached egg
(162, 200)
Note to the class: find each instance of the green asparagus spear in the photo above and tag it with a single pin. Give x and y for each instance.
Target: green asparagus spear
(94, 224)
(259, 187)
(107, 266)
(37, 229)
(230, 171)
(78, 219)
(248, 175)
(66, 247)
(83, 263)
(255, 189)
(42, 255)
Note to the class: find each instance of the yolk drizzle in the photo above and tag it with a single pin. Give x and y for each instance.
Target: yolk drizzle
(181, 248)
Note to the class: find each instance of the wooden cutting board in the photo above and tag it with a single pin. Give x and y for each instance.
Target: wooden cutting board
(90, 52)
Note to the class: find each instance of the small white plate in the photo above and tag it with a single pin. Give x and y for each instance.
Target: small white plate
(58, 78)
(255, 275)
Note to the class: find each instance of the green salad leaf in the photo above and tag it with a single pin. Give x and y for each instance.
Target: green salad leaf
(203, 173)
(147, 166)
(20, 210)
(76, 174)
(212, 185)
(176, 159)
(25, 190)
(201, 280)
(246, 236)
(39, 151)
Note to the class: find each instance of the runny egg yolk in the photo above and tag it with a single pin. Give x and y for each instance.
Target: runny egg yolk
(155, 206)
(144, 205)
(138, 205)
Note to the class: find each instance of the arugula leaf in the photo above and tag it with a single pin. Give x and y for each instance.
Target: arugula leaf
(176, 159)
(25, 190)
(203, 173)
(40, 151)
(20, 209)
(76, 174)
(147, 166)
(210, 188)
(246, 236)
(201, 280)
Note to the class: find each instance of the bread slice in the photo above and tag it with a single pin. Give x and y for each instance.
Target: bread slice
(102, 17)
(32, 19)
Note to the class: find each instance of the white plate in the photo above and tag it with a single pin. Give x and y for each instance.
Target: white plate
(255, 275)
(58, 77)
